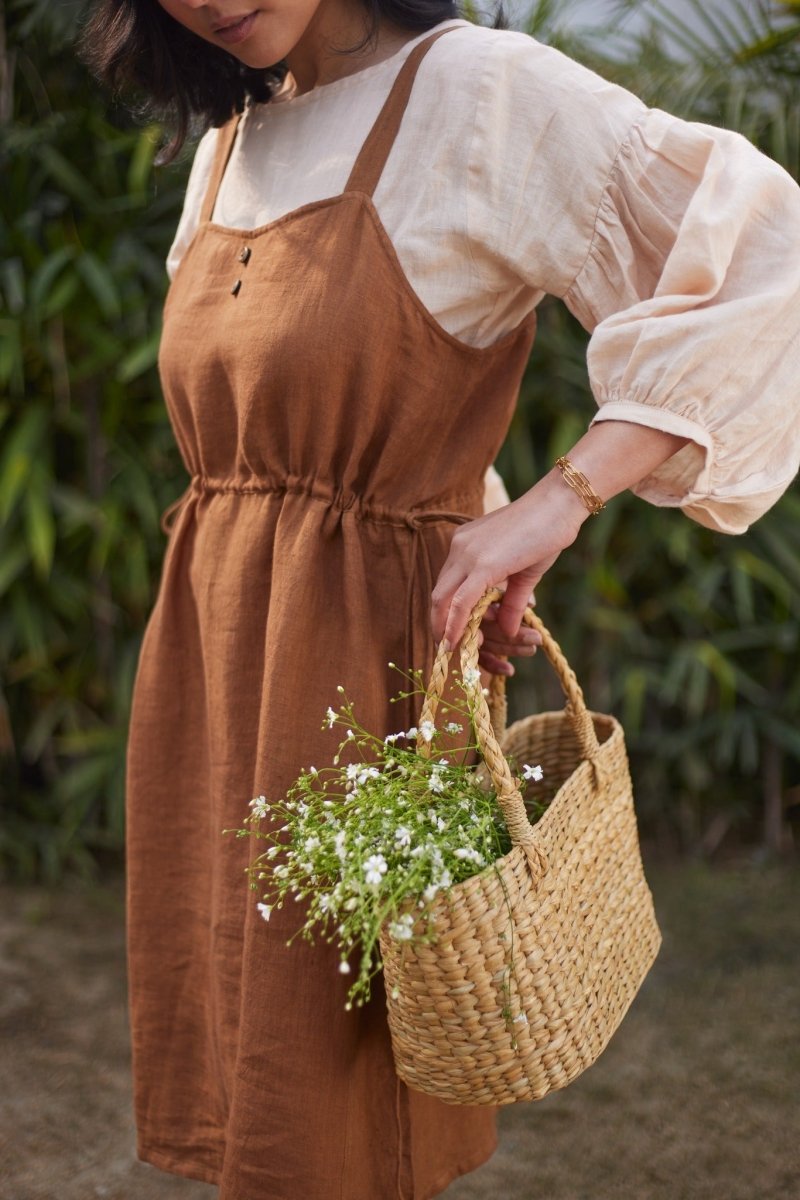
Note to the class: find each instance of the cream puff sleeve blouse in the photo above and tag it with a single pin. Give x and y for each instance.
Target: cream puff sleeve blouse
(519, 173)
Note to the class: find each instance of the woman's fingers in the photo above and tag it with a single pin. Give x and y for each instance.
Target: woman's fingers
(495, 642)
(450, 613)
(493, 664)
(495, 648)
(513, 605)
(453, 599)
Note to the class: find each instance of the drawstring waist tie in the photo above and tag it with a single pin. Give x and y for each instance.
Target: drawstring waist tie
(421, 572)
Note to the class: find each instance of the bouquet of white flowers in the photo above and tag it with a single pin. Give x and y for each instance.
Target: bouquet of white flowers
(392, 820)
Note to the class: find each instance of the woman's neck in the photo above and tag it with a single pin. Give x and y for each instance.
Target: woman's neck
(336, 25)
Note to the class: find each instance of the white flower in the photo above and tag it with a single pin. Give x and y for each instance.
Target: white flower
(330, 716)
(470, 854)
(353, 770)
(281, 871)
(265, 910)
(344, 967)
(535, 773)
(325, 903)
(436, 783)
(430, 892)
(313, 771)
(453, 727)
(472, 677)
(259, 806)
(391, 738)
(339, 845)
(402, 929)
(411, 733)
(311, 843)
(368, 773)
(375, 868)
(427, 729)
(402, 836)
(350, 735)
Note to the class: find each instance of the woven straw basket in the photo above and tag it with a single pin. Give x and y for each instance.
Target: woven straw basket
(537, 958)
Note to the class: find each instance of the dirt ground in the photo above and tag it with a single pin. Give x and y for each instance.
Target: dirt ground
(695, 1098)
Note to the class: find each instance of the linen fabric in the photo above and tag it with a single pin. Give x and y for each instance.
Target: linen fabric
(519, 173)
(335, 434)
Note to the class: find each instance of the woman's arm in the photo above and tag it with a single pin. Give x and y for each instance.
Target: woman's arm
(521, 541)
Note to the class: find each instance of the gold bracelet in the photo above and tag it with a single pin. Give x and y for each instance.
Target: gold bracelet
(580, 484)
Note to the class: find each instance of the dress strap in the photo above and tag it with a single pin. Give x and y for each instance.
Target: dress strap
(225, 140)
(372, 157)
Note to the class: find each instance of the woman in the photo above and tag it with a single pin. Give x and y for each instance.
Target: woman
(355, 280)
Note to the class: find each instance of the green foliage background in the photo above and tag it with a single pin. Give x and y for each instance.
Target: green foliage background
(691, 637)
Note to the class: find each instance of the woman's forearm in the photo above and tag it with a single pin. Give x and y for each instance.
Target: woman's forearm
(616, 455)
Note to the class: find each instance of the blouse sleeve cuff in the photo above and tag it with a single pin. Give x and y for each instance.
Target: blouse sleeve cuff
(687, 472)
(685, 480)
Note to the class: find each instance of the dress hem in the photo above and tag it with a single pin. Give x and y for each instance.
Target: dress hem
(204, 1173)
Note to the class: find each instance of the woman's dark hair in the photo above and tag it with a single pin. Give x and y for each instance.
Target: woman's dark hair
(135, 44)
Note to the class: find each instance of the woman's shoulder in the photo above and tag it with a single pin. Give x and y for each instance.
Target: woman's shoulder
(507, 68)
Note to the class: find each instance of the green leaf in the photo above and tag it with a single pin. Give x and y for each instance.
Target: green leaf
(67, 176)
(141, 358)
(141, 165)
(44, 277)
(40, 528)
(13, 560)
(60, 297)
(23, 447)
(100, 282)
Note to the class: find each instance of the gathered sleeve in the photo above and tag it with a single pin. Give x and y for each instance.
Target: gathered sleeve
(677, 246)
(691, 292)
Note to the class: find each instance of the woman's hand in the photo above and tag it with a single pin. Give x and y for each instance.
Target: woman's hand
(517, 543)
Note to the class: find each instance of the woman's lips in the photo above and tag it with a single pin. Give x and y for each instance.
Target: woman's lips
(231, 34)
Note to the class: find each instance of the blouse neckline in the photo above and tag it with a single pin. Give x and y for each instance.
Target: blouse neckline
(288, 101)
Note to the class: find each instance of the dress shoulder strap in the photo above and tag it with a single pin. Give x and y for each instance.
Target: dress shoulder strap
(225, 140)
(372, 157)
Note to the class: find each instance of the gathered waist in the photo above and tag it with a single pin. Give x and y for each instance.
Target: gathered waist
(444, 507)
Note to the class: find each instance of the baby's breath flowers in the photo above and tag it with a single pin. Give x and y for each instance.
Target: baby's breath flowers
(373, 840)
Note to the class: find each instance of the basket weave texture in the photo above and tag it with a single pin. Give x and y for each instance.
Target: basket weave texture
(537, 958)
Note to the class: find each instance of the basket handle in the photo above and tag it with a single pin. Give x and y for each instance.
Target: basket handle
(508, 794)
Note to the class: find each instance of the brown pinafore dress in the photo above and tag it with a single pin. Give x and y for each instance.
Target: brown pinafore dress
(334, 433)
